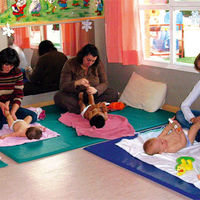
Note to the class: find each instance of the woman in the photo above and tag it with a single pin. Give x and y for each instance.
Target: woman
(45, 76)
(85, 72)
(186, 117)
(11, 86)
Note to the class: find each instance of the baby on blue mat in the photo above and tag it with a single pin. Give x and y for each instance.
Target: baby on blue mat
(172, 139)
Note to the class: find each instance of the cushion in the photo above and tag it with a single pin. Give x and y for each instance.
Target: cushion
(143, 93)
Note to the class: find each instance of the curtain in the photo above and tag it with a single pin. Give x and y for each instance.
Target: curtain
(22, 37)
(74, 37)
(123, 42)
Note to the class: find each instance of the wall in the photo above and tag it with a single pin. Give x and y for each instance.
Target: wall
(179, 83)
(3, 40)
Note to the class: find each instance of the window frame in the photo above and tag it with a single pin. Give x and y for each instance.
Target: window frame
(43, 36)
(172, 6)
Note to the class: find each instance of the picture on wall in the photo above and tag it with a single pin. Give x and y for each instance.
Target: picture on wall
(29, 12)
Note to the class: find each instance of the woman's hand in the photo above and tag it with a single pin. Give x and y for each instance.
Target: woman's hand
(91, 90)
(83, 82)
(3, 107)
(195, 119)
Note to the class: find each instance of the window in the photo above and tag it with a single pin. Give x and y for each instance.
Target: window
(47, 32)
(170, 33)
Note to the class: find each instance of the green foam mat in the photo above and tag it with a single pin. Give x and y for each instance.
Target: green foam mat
(2, 164)
(68, 138)
(142, 120)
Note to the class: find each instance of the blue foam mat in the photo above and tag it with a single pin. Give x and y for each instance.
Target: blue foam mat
(111, 152)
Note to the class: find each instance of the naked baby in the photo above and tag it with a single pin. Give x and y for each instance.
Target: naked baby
(21, 127)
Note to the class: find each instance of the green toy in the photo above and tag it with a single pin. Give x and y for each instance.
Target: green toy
(184, 164)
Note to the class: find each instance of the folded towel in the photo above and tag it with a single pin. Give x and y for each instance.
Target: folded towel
(11, 141)
(115, 127)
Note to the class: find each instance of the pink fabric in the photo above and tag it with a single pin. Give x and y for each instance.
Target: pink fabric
(116, 126)
(122, 27)
(12, 141)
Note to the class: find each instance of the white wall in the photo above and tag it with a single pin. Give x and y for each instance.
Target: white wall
(3, 40)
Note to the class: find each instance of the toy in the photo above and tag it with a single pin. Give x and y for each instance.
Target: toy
(184, 164)
(116, 106)
(175, 126)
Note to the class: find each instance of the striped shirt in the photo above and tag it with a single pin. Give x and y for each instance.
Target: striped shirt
(11, 86)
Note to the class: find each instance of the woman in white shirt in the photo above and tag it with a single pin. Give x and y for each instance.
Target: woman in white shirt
(186, 117)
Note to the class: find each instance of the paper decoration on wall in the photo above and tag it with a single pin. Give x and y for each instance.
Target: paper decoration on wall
(86, 25)
(34, 12)
(7, 30)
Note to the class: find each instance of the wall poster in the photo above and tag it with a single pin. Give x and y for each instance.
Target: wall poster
(35, 12)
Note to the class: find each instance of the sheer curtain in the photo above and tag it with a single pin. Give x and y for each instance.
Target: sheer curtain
(74, 37)
(22, 37)
(123, 42)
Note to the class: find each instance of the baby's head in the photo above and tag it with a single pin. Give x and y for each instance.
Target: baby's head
(33, 133)
(153, 146)
(98, 121)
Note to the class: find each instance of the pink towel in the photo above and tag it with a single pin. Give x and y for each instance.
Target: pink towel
(12, 141)
(116, 126)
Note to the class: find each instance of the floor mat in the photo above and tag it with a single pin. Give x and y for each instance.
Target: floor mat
(68, 138)
(111, 152)
(2, 164)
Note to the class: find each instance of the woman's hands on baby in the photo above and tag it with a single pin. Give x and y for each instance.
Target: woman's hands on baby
(82, 81)
(3, 107)
(91, 90)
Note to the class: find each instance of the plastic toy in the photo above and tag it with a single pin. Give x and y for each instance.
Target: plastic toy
(184, 164)
(175, 126)
(116, 106)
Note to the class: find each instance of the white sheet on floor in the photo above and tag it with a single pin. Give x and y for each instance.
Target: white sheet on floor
(165, 161)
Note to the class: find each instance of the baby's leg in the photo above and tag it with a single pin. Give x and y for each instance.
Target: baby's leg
(193, 131)
(81, 103)
(91, 99)
(8, 115)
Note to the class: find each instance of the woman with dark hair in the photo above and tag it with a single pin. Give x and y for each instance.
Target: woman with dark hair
(11, 87)
(45, 46)
(187, 117)
(45, 76)
(84, 73)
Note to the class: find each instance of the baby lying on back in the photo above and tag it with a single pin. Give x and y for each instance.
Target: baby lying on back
(21, 127)
(172, 139)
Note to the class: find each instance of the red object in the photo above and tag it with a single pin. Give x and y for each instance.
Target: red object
(116, 106)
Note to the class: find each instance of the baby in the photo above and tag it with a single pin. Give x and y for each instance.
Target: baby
(172, 139)
(95, 113)
(21, 127)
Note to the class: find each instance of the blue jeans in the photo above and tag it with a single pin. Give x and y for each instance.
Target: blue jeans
(185, 124)
(20, 114)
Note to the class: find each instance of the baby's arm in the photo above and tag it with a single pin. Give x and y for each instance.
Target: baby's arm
(165, 130)
(13, 134)
(105, 110)
(42, 128)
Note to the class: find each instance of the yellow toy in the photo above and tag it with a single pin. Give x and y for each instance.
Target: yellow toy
(184, 164)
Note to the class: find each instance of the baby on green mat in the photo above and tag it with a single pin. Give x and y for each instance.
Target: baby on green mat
(21, 127)
(172, 139)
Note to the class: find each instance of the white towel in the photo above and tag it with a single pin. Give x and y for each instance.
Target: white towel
(165, 161)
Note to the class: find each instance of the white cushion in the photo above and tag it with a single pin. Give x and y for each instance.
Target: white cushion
(143, 93)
